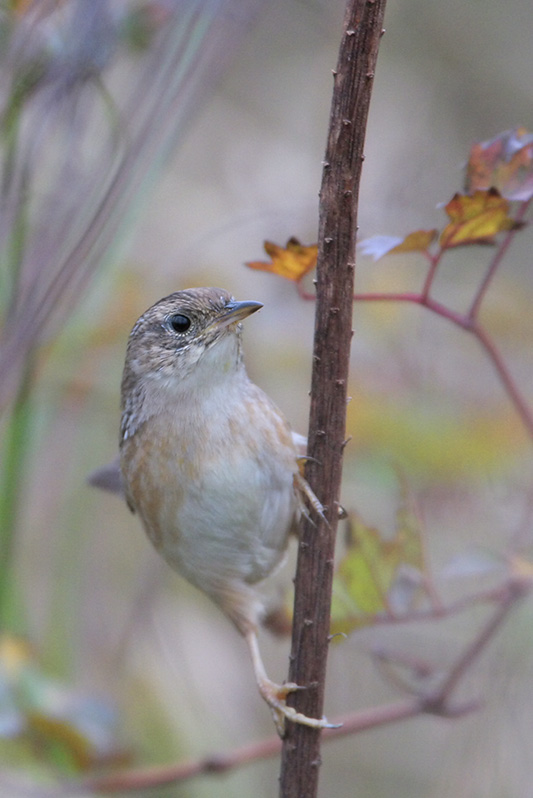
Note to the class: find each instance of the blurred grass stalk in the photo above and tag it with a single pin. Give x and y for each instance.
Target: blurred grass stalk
(93, 96)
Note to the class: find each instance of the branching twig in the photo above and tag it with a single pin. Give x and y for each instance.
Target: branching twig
(143, 779)
(472, 326)
(438, 702)
(468, 321)
(150, 778)
(496, 260)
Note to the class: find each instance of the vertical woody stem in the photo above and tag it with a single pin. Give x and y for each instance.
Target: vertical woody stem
(333, 329)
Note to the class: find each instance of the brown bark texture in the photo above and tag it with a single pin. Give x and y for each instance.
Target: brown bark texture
(353, 80)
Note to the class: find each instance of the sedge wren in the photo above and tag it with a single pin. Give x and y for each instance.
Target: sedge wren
(208, 462)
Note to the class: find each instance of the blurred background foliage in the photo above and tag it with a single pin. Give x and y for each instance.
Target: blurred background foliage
(107, 656)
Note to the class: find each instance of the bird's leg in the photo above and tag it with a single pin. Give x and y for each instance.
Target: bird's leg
(275, 694)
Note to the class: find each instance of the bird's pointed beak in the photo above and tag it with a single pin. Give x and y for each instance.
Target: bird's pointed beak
(235, 312)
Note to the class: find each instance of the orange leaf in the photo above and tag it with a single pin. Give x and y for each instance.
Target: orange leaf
(418, 241)
(292, 262)
(476, 219)
(504, 162)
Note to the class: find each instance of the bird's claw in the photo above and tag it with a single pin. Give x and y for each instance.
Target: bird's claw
(303, 490)
(275, 696)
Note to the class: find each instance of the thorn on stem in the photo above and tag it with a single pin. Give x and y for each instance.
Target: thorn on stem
(341, 512)
(337, 634)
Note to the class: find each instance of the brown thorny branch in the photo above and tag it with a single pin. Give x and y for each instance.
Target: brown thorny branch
(439, 700)
(339, 192)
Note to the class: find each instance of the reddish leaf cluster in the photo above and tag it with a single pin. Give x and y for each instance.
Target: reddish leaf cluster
(498, 172)
(505, 163)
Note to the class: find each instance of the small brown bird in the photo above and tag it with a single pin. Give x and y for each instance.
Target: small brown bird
(208, 461)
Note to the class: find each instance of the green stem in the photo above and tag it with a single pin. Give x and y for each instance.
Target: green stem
(10, 130)
(14, 467)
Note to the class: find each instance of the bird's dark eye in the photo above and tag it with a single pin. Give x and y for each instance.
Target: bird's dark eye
(179, 322)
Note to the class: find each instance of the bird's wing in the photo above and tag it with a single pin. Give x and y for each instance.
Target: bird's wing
(108, 477)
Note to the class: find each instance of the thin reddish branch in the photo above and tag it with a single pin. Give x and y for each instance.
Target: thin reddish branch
(150, 778)
(471, 325)
(440, 700)
(352, 723)
(159, 776)
(496, 260)
(469, 321)
(493, 595)
(434, 261)
(303, 294)
(521, 406)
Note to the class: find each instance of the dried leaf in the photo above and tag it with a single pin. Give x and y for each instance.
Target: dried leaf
(69, 730)
(292, 262)
(63, 743)
(378, 576)
(504, 162)
(476, 219)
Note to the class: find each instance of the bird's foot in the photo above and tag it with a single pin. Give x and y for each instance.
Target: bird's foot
(275, 696)
(304, 491)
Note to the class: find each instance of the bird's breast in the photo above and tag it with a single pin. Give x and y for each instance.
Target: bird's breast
(213, 485)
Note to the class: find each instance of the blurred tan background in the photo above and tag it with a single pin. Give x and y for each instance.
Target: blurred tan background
(424, 399)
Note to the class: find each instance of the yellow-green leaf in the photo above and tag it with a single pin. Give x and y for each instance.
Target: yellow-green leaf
(476, 219)
(378, 576)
